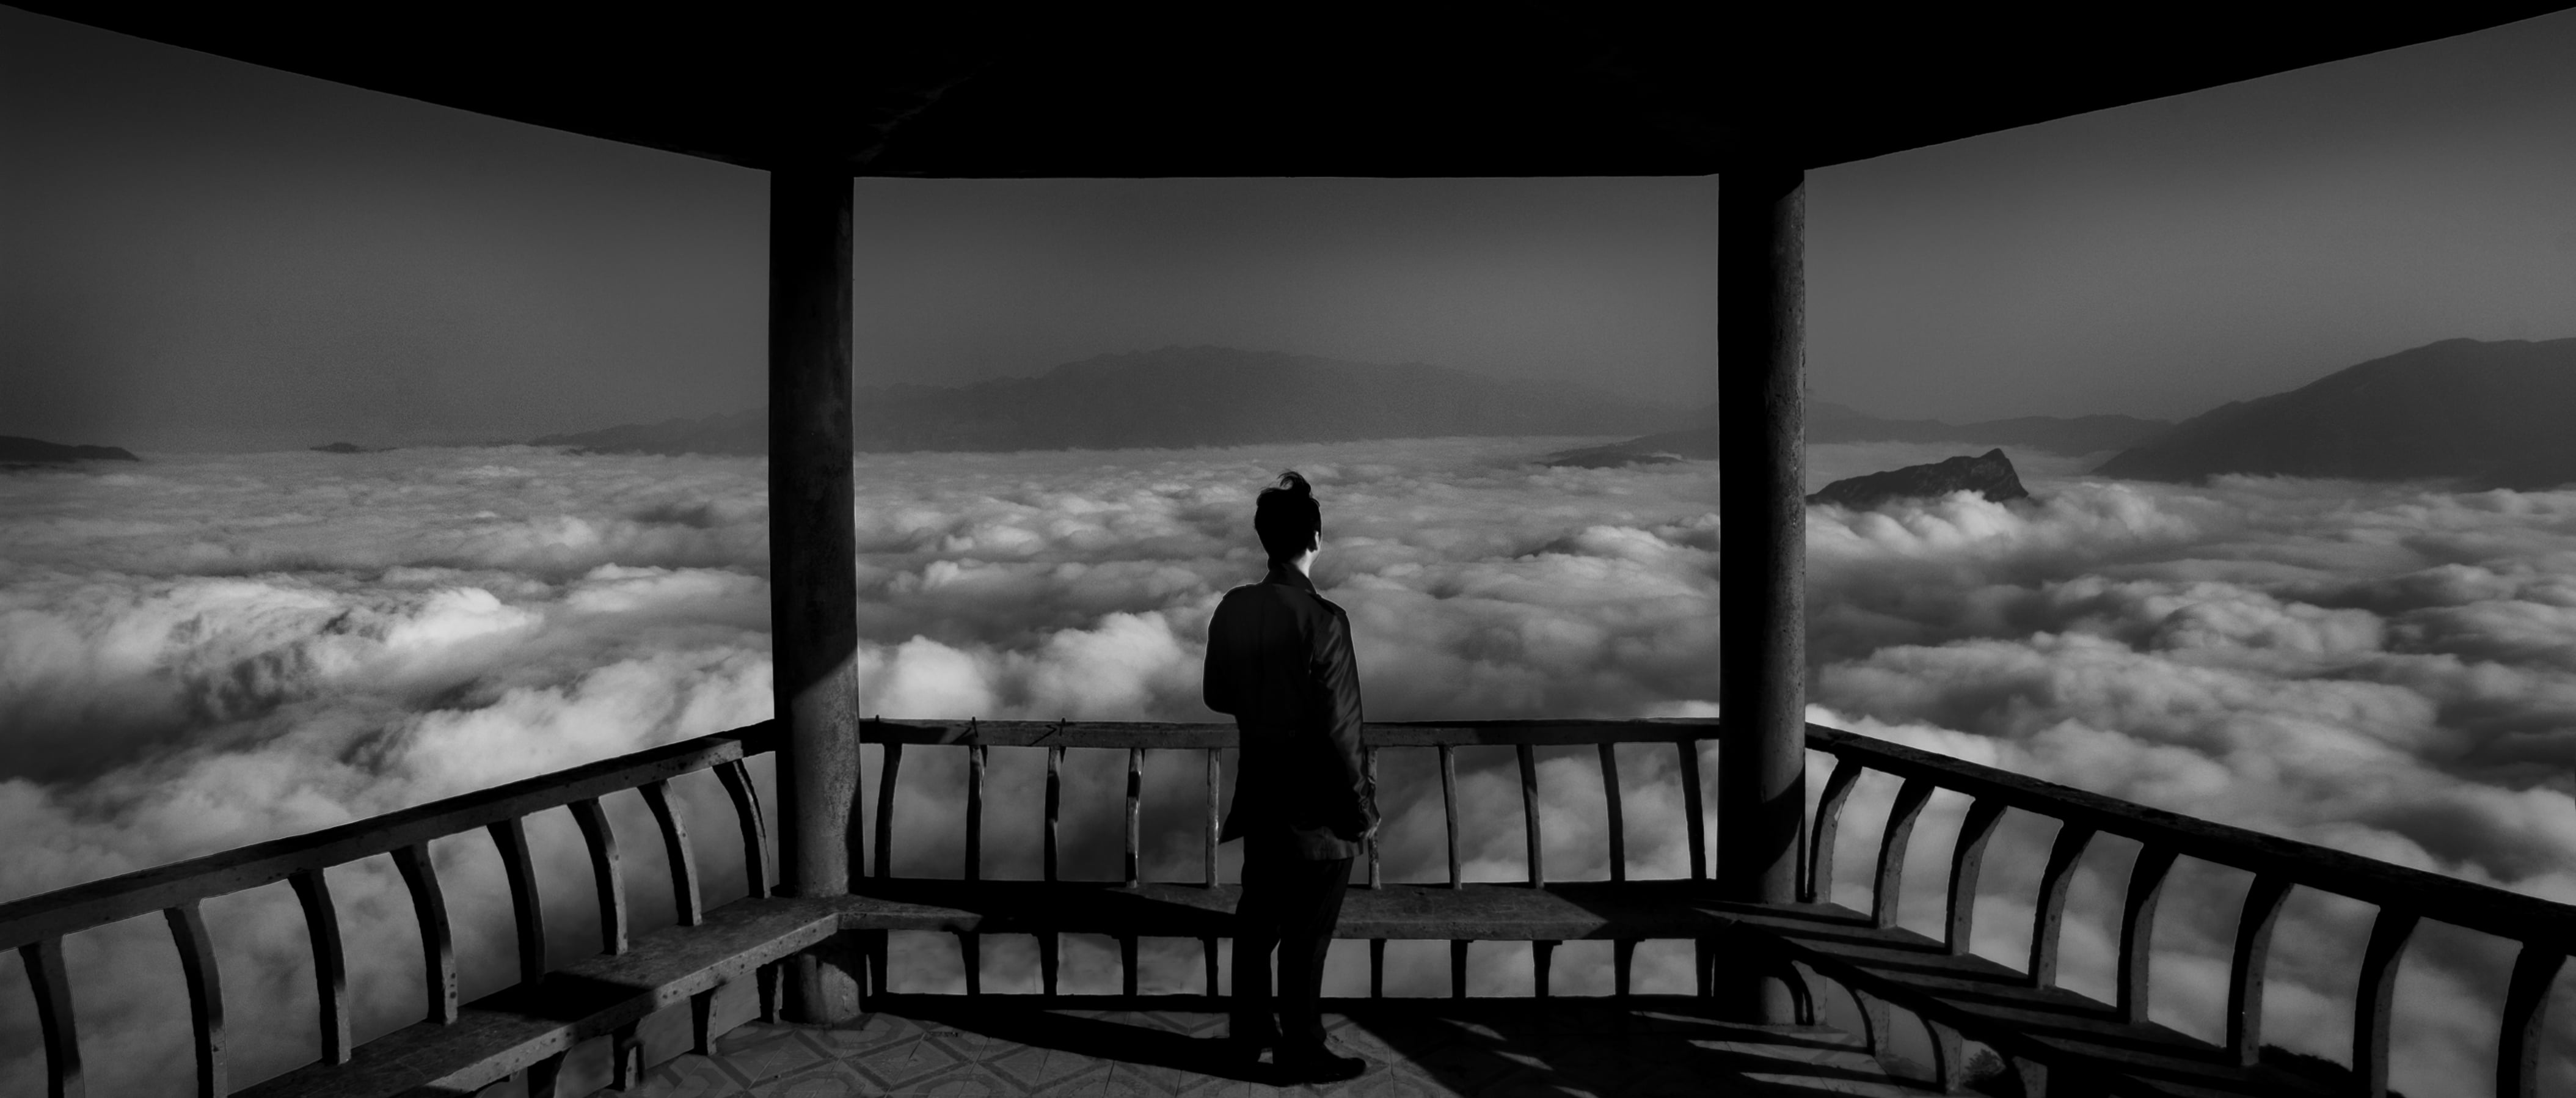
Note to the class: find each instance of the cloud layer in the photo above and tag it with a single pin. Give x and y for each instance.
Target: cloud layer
(202, 652)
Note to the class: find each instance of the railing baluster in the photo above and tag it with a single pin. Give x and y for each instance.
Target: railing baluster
(1135, 815)
(1949, 1057)
(1623, 956)
(755, 828)
(437, 942)
(2048, 913)
(1891, 850)
(545, 1076)
(330, 963)
(1054, 798)
(52, 985)
(970, 957)
(975, 812)
(1967, 862)
(1458, 969)
(2138, 929)
(1449, 812)
(1377, 968)
(1610, 803)
(1213, 824)
(1127, 964)
(2526, 1001)
(686, 904)
(887, 770)
(2245, 974)
(1207, 955)
(2376, 996)
(1542, 958)
(1696, 825)
(1819, 885)
(205, 994)
(1529, 813)
(702, 1021)
(510, 838)
(607, 876)
(1368, 771)
(625, 1057)
(1049, 943)
(875, 943)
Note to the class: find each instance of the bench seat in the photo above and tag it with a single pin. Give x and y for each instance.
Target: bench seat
(526, 1025)
(2085, 1046)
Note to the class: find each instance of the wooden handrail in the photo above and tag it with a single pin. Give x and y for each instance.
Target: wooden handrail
(2450, 900)
(145, 891)
(1153, 734)
(2405, 897)
(35, 926)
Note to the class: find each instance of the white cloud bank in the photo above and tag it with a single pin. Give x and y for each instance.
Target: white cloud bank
(202, 652)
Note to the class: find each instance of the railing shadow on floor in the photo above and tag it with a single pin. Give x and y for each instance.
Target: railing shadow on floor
(1647, 1045)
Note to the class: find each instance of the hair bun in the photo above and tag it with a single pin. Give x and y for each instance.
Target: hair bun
(1294, 484)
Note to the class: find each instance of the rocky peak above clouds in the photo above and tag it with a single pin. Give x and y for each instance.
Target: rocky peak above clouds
(1989, 474)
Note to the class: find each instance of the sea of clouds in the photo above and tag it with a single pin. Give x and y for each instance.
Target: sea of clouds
(199, 652)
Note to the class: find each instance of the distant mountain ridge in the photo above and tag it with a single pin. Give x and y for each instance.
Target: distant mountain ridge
(2496, 414)
(1173, 398)
(1828, 422)
(15, 450)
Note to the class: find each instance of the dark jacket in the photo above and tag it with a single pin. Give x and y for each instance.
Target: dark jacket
(1279, 659)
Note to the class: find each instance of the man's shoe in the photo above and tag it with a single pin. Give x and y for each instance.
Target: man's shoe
(1318, 1066)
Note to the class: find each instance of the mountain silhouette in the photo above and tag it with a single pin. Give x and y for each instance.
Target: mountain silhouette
(28, 451)
(2493, 414)
(1172, 398)
(1828, 422)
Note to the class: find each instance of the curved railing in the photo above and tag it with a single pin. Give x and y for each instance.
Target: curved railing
(2544, 931)
(36, 925)
(2405, 897)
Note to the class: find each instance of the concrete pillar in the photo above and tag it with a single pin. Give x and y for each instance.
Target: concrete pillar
(1762, 576)
(813, 600)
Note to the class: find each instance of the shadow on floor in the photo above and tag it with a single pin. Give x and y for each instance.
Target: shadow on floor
(959, 1047)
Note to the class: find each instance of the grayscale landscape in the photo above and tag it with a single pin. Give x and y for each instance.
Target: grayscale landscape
(411, 470)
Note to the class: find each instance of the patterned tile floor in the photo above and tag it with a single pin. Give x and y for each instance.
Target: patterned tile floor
(1416, 1049)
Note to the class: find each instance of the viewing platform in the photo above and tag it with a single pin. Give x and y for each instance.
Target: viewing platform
(814, 98)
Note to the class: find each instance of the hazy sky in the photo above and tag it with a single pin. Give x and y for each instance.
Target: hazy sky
(201, 254)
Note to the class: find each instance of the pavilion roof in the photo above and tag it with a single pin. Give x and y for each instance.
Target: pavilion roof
(1091, 90)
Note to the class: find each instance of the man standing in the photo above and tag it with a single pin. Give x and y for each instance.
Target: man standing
(1279, 659)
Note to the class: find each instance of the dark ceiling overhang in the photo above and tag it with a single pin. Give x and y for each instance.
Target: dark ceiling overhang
(1493, 90)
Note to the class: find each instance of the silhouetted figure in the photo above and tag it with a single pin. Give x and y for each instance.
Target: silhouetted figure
(1279, 659)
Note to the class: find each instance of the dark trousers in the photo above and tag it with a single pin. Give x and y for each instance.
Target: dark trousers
(1292, 904)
